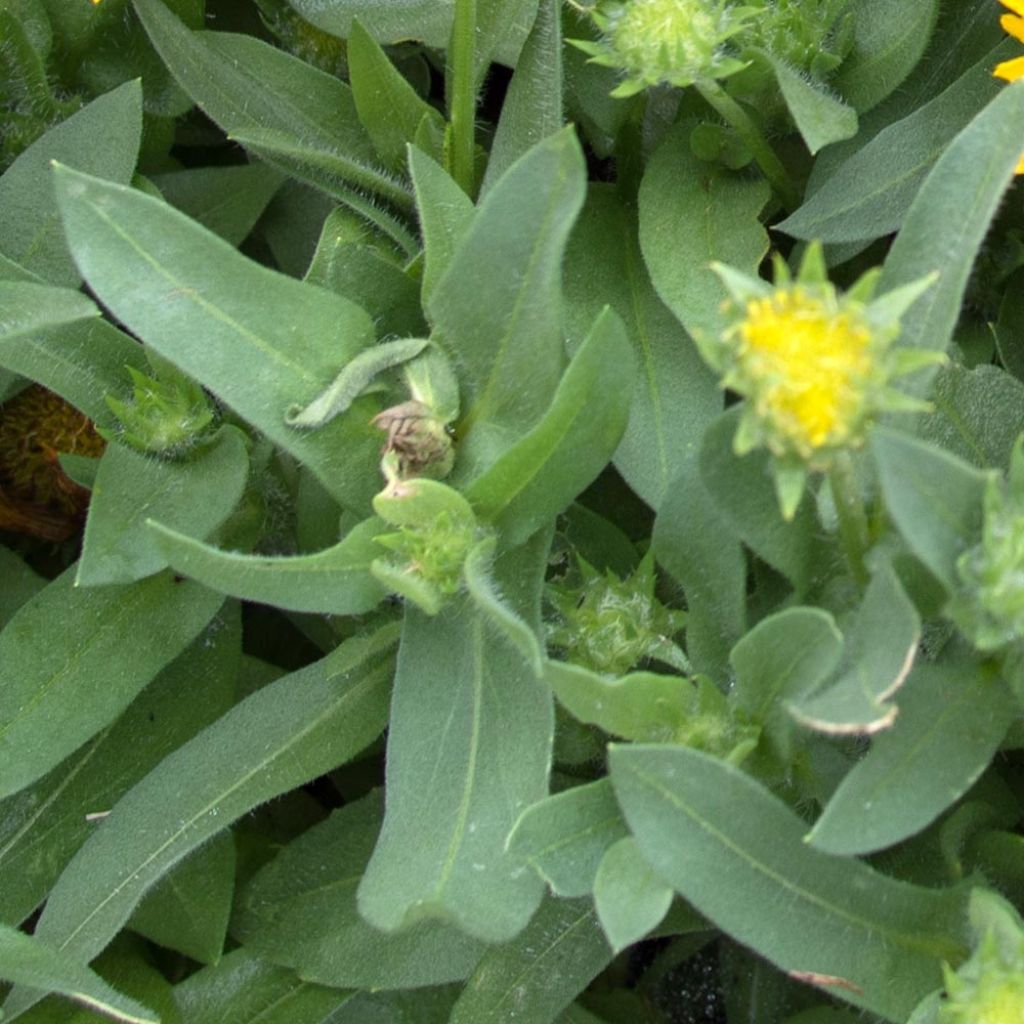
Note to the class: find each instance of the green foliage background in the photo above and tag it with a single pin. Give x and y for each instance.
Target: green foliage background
(584, 731)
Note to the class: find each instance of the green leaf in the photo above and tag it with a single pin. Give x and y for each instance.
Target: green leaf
(538, 476)
(631, 899)
(300, 911)
(188, 909)
(934, 499)
(978, 414)
(469, 747)
(243, 989)
(531, 979)
(71, 660)
(880, 649)
(888, 41)
(743, 490)
(496, 310)
(820, 117)
(53, 338)
(226, 200)
(953, 716)
(42, 826)
(101, 139)
(30, 308)
(783, 657)
(20, 584)
(675, 396)
(251, 88)
(445, 214)
(563, 837)
(363, 273)
(1009, 327)
(27, 961)
(871, 192)
(706, 558)
(637, 706)
(194, 495)
(692, 213)
(948, 221)
(388, 106)
(532, 108)
(335, 581)
(188, 295)
(282, 736)
(736, 852)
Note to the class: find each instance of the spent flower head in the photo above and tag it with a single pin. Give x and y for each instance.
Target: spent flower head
(814, 365)
(671, 42)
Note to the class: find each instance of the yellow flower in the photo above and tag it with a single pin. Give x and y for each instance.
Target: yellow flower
(812, 359)
(1011, 70)
(813, 364)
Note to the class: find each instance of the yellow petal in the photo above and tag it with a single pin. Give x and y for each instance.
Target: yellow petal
(1017, 6)
(1011, 70)
(1012, 25)
(1020, 167)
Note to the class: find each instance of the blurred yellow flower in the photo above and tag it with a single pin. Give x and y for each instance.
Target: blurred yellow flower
(1011, 70)
(812, 358)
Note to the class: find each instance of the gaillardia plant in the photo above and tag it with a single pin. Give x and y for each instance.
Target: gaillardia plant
(511, 511)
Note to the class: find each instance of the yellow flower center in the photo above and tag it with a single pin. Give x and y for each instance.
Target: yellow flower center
(669, 35)
(810, 361)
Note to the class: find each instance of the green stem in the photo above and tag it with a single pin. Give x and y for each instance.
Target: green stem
(462, 99)
(764, 155)
(853, 521)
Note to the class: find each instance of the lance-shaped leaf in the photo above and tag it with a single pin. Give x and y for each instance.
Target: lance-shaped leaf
(195, 494)
(27, 961)
(29, 308)
(82, 358)
(870, 193)
(934, 499)
(445, 213)
(248, 86)
(563, 837)
(244, 989)
(953, 716)
(282, 736)
(101, 139)
(742, 489)
(531, 979)
(60, 686)
(469, 745)
(820, 117)
(706, 558)
(532, 108)
(675, 396)
(300, 911)
(692, 213)
(783, 657)
(497, 309)
(43, 826)
(188, 909)
(631, 899)
(948, 221)
(388, 105)
(539, 475)
(737, 853)
(880, 649)
(188, 295)
(335, 581)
